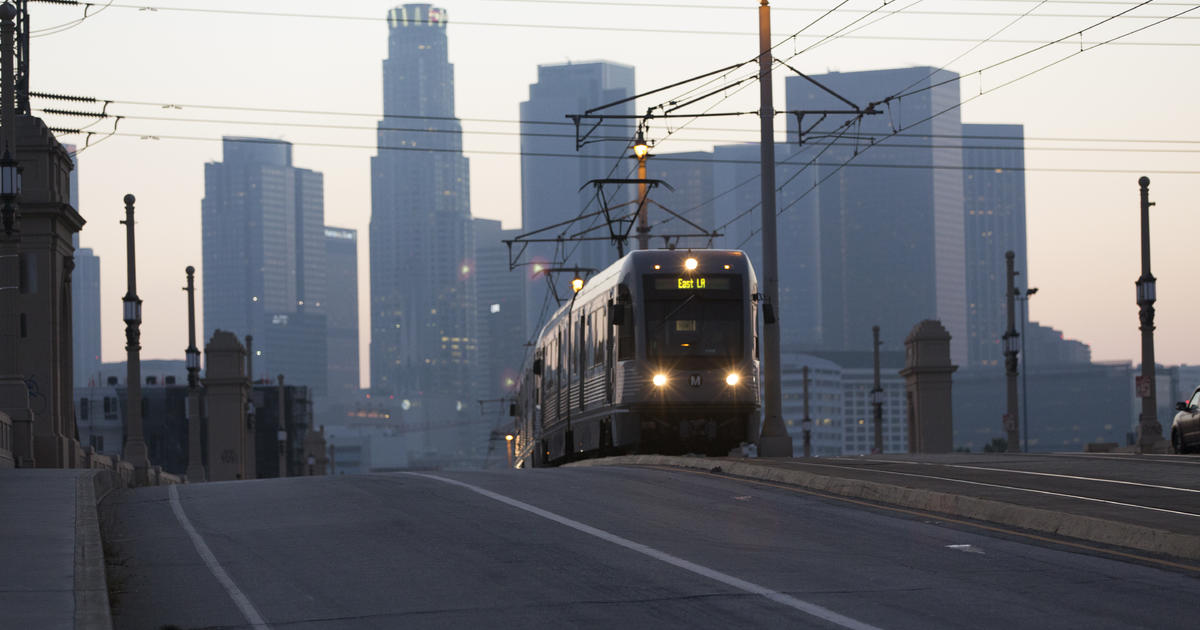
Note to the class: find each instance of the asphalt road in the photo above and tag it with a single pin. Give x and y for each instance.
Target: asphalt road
(596, 548)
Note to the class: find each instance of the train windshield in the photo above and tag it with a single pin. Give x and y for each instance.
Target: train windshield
(682, 321)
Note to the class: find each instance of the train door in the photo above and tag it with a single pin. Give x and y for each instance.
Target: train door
(608, 337)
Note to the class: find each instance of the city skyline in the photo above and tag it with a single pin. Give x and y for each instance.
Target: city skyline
(1079, 222)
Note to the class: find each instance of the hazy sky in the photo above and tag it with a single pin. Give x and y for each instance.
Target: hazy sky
(1094, 122)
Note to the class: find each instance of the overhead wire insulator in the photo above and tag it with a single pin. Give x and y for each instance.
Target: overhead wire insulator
(72, 112)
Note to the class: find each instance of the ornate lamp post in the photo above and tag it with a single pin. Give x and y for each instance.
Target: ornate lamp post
(195, 469)
(1149, 430)
(135, 442)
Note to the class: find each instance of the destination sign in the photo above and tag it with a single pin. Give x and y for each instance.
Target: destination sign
(695, 283)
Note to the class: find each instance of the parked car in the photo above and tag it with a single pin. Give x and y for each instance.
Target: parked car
(1185, 429)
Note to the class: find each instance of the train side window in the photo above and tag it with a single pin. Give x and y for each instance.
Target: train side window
(599, 335)
(589, 344)
(625, 332)
(578, 352)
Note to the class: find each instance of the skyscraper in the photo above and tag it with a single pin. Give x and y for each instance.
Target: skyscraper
(691, 176)
(423, 337)
(264, 258)
(501, 311)
(85, 299)
(341, 310)
(550, 183)
(994, 192)
(891, 221)
(737, 203)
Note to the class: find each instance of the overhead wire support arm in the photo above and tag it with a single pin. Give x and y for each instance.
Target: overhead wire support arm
(824, 113)
(582, 139)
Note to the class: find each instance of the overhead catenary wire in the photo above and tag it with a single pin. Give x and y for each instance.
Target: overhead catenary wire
(958, 105)
(377, 115)
(541, 26)
(850, 139)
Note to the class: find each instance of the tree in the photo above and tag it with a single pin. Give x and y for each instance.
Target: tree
(997, 445)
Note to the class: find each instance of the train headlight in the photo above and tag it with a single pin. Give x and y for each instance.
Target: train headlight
(732, 378)
(659, 379)
(691, 264)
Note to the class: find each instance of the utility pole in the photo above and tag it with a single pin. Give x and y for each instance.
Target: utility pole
(135, 442)
(195, 469)
(1011, 342)
(877, 396)
(774, 440)
(807, 422)
(1149, 429)
(282, 433)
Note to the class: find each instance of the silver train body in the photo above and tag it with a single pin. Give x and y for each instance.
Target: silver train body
(658, 353)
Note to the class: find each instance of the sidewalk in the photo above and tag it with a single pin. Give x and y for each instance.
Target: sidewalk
(51, 559)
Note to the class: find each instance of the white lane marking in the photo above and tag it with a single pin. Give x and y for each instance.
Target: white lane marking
(787, 600)
(239, 598)
(996, 485)
(1043, 474)
(1075, 477)
(966, 548)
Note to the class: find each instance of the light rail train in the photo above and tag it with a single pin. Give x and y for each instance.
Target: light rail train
(658, 353)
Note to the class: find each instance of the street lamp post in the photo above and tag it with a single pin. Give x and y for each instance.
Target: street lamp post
(195, 469)
(282, 433)
(1025, 367)
(135, 441)
(1011, 345)
(877, 397)
(806, 423)
(640, 151)
(1149, 429)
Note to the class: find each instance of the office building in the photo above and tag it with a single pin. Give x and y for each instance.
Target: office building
(737, 205)
(1069, 406)
(994, 217)
(500, 297)
(890, 221)
(825, 400)
(423, 319)
(264, 263)
(553, 171)
(687, 194)
(341, 311)
(85, 298)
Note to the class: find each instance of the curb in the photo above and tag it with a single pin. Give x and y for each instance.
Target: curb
(91, 585)
(1096, 530)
